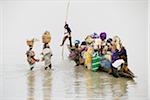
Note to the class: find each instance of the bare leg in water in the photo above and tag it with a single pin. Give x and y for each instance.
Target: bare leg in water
(70, 41)
(64, 39)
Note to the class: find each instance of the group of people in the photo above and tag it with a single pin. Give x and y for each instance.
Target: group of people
(46, 52)
(97, 52)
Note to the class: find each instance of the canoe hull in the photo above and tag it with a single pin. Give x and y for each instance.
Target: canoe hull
(115, 72)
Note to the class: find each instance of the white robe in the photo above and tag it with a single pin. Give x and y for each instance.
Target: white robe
(47, 56)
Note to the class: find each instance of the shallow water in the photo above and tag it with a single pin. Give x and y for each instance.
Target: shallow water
(67, 82)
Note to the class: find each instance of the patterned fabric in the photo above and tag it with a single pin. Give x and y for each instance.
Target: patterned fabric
(47, 56)
(30, 53)
(30, 57)
(95, 61)
(123, 54)
(115, 56)
(119, 55)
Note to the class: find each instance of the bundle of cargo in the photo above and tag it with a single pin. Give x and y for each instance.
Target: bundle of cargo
(89, 39)
(46, 38)
(30, 42)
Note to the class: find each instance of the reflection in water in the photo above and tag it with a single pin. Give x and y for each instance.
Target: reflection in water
(93, 82)
(119, 88)
(31, 85)
(103, 86)
(89, 84)
(78, 82)
(47, 85)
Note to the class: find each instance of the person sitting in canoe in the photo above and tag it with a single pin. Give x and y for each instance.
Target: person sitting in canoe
(105, 61)
(83, 49)
(103, 37)
(122, 53)
(119, 58)
(88, 57)
(119, 51)
(67, 34)
(30, 54)
(75, 53)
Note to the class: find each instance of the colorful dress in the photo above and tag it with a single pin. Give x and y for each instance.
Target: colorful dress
(88, 57)
(30, 57)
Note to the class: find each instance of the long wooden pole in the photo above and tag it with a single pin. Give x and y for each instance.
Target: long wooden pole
(66, 18)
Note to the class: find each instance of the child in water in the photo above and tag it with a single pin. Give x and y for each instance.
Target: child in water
(30, 54)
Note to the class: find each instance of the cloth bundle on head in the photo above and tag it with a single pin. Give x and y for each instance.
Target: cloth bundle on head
(89, 39)
(117, 42)
(103, 35)
(46, 38)
(77, 42)
(30, 42)
(116, 39)
(94, 35)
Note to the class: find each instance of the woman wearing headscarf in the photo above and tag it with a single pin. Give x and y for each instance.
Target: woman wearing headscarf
(30, 54)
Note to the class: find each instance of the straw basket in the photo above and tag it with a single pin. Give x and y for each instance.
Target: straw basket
(30, 42)
(46, 38)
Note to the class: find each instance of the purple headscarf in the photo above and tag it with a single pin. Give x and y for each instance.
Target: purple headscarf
(103, 35)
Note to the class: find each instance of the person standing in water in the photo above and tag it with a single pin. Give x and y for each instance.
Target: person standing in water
(30, 54)
(67, 34)
(47, 54)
